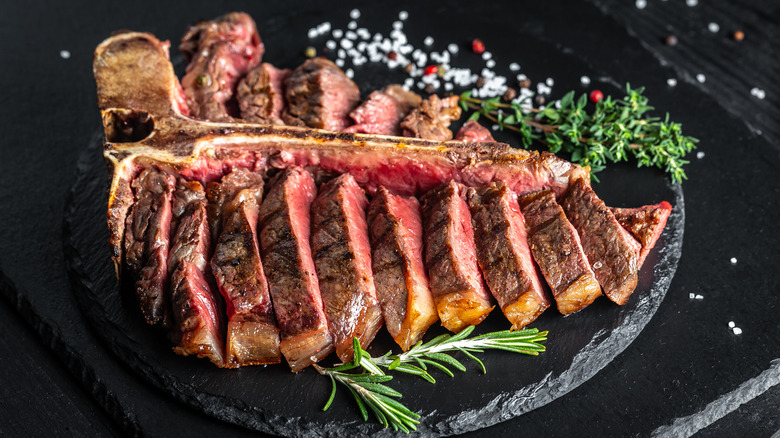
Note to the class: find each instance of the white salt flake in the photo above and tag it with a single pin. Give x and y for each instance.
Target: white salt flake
(733, 260)
(331, 45)
(346, 44)
(352, 25)
(641, 4)
(428, 41)
(313, 33)
(486, 55)
(699, 297)
(691, 3)
(403, 15)
(340, 62)
(514, 66)
(737, 330)
(550, 82)
(397, 25)
(691, 296)
(521, 77)
(758, 93)
(64, 54)
(700, 155)
(354, 14)
(490, 63)
(494, 127)
(732, 324)
(453, 48)
(338, 33)
(448, 86)
(584, 80)
(350, 74)
(671, 82)
(713, 27)
(701, 78)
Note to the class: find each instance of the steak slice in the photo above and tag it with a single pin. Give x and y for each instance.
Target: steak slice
(450, 256)
(222, 192)
(252, 336)
(219, 52)
(504, 255)
(147, 241)
(612, 252)
(645, 223)
(383, 111)
(342, 257)
(284, 239)
(432, 118)
(474, 132)
(197, 314)
(319, 95)
(260, 94)
(556, 248)
(396, 233)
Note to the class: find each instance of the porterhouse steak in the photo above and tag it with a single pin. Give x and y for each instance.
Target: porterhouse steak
(339, 232)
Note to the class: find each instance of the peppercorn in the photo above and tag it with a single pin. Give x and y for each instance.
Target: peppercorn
(596, 96)
(670, 40)
(509, 94)
(431, 69)
(441, 71)
(203, 80)
(738, 35)
(539, 100)
(310, 52)
(392, 56)
(480, 82)
(477, 46)
(409, 68)
(429, 89)
(525, 83)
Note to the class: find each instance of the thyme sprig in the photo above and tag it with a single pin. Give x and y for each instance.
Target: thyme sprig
(370, 394)
(611, 132)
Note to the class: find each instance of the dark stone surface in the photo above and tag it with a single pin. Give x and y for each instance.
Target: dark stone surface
(684, 359)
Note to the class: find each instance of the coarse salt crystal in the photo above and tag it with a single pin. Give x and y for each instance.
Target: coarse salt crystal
(340, 62)
(352, 25)
(584, 80)
(486, 55)
(737, 330)
(641, 4)
(398, 25)
(699, 297)
(757, 92)
(494, 127)
(338, 33)
(428, 41)
(448, 86)
(732, 324)
(514, 66)
(691, 296)
(700, 155)
(313, 33)
(350, 74)
(691, 3)
(713, 27)
(346, 44)
(521, 77)
(671, 82)
(490, 63)
(403, 15)
(453, 48)
(701, 78)
(350, 35)
(354, 14)
(542, 88)
(550, 82)
(64, 54)
(331, 45)
(733, 260)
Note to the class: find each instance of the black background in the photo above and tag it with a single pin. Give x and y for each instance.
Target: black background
(58, 377)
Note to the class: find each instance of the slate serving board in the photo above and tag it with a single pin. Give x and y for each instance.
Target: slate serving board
(273, 400)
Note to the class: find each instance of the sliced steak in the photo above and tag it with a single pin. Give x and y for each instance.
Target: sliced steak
(260, 94)
(383, 111)
(342, 257)
(319, 95)
(284, 239)
(402, 286)
(556, 248)
(252, 336)
(219, 52)
(147, 241)
(504, 255)
(222, 192)
(472, 131)
(450, 256)
(197, 313)
(612, 252)
(431, 120)
(644, 223)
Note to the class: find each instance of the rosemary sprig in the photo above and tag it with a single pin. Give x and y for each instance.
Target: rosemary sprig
(611, 132)
(370, 394)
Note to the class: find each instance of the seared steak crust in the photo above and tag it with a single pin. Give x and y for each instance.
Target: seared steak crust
(342, 257)
(252, 336)
(556, 248)
(147, 241)
(284, 239)
(644, 223)
(504, 255)
(260, 94)
(402, 286)
(383, 111)
(431, 120)
(612, 252)
(450, 256)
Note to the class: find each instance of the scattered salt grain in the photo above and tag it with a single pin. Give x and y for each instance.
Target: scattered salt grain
(403, 15)
(700, 155)
(350, 74)
(550, 82)
(490, 63)
(64, 54)
(313, 33)
(338, 33)
(641, 4)
(671, 82)
(737, 330)
(340, 62)
(713, 27)
(701, 78)
(486, 55)
(494, 127)
(521, 77)
(428, 41)
(397, 25)
(352, 25)
(691, 296)
(699, 297)
(354, 14)
(448, 86)
(542, 88)
(733, 260)
(453, 48)
(346, 44)
(331, 45)
(691, 3)
(758, 93)
(732, 324)
(584, 80)
(514, 66)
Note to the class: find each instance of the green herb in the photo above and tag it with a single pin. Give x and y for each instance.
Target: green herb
(371, 394)
(611, 132)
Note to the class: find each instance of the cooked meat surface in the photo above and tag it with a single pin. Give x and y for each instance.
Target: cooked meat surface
(197, 313)
(556, 248)
(612, 252)
(221, 193)
(431, 120)
(450, 257)
(219, 52)
(319, 95)
(504, 255)
(383, 111)
(295, 289)
(147, 241)
(473, 131)
(260, 94)
(644, 223)
(342, 257)
(252, 336)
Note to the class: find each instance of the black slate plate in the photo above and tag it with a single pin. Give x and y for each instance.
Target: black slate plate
(273, 400)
